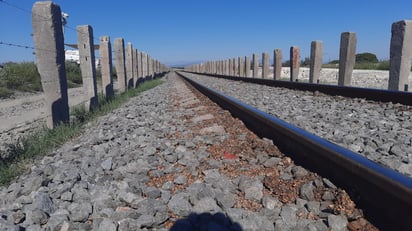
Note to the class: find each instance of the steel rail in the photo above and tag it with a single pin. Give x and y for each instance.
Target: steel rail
(380, 95)
(384, 195)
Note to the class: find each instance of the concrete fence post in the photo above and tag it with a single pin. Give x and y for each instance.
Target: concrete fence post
(230, 67)
(135, 67)
(120, 64)
(241, 67)
(247, 66)
(49, 47)
(153, 67)
(265, 65)
(139, 65)
(347, 57)
(149, 65)
(400, 55)
(144, 65)
(294, 63)
(277, 64)
(255, 65)
(106, 66)
(129, 64)
(316, 49)
(87, 64)
(235, 67)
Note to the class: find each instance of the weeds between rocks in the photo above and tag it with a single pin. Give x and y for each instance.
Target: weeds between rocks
(16, 159)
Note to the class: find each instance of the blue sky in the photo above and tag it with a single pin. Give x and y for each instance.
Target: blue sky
(183, 31)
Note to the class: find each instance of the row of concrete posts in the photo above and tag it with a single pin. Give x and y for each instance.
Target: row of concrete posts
(400, 60)
(132, 66)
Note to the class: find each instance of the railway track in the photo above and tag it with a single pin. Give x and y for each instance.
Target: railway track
(384, 194)
(377, 130)
(404, 98)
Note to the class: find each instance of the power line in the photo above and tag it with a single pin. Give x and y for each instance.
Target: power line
(16, 45)
(14, 6)
(41, 16)
(33, 48)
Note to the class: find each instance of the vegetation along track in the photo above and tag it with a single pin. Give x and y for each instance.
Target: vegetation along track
(385, 195)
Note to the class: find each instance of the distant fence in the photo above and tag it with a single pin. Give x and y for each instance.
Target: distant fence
(132, 66)
(399, 65)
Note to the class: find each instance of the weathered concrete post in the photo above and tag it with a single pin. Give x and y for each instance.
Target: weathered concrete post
(153, 67)
(241, 67)
(129, 64)
(87, 64)
(265, 65)
(136, 67)
(144, 65)
(316, 49)
(139, 65)
(226, 67)
(106, 66)
(347, 57)
(255, 65)
(277, 64)
(120, 64)
(247, 66)
(294, 63)
(235, 67)
(49, 47)
(230, 67)
(400, 55)
(150, 65)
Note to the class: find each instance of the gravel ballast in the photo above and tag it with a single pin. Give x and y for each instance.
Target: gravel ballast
(379, 131)
(171, 159)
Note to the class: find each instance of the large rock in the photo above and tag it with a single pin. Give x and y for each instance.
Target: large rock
(180, 205)
(43, 202)
(338, 223)
(206, 204)
(80, 212)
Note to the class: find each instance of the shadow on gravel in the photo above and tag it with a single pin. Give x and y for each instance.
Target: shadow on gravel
(206, 221)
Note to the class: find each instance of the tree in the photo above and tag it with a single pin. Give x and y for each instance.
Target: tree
(366, 58)
(305, 62)
(286, 63)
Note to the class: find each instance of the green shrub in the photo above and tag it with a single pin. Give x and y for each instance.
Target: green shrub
(5, 93)
(20, 76)
(383, 65)
(73, 73)
(365, 66)
(18, 157)
(366, 58)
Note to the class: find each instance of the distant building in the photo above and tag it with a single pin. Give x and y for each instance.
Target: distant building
(73, 56)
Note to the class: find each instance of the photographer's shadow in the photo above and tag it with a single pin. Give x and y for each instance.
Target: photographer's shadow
(206, 221)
